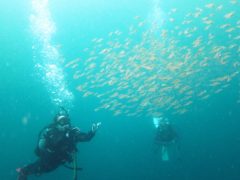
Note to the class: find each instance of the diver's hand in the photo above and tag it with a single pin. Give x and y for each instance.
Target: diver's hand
(75, 130)
(95, 126)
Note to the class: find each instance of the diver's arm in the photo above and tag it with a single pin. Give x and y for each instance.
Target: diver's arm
(83, 137)
(43, 143)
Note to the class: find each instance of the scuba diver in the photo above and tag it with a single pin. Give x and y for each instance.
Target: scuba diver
(165, 136)
(56, 146)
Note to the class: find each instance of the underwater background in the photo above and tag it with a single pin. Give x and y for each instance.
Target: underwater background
(40, 40)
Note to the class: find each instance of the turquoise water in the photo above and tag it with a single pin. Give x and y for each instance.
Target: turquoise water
(36, 78)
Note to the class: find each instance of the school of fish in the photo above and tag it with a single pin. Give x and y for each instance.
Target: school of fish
(152, 70)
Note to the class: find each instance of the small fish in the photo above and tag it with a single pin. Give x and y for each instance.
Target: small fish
(209, 5)
(229, 15)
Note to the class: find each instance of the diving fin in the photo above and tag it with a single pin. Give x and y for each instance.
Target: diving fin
(165, 156)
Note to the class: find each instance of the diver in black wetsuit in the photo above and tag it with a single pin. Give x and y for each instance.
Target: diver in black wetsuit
(56, 145)
(165, 135)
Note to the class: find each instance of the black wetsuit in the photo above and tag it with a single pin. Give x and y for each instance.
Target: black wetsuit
(165, 134)
(59, 148)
